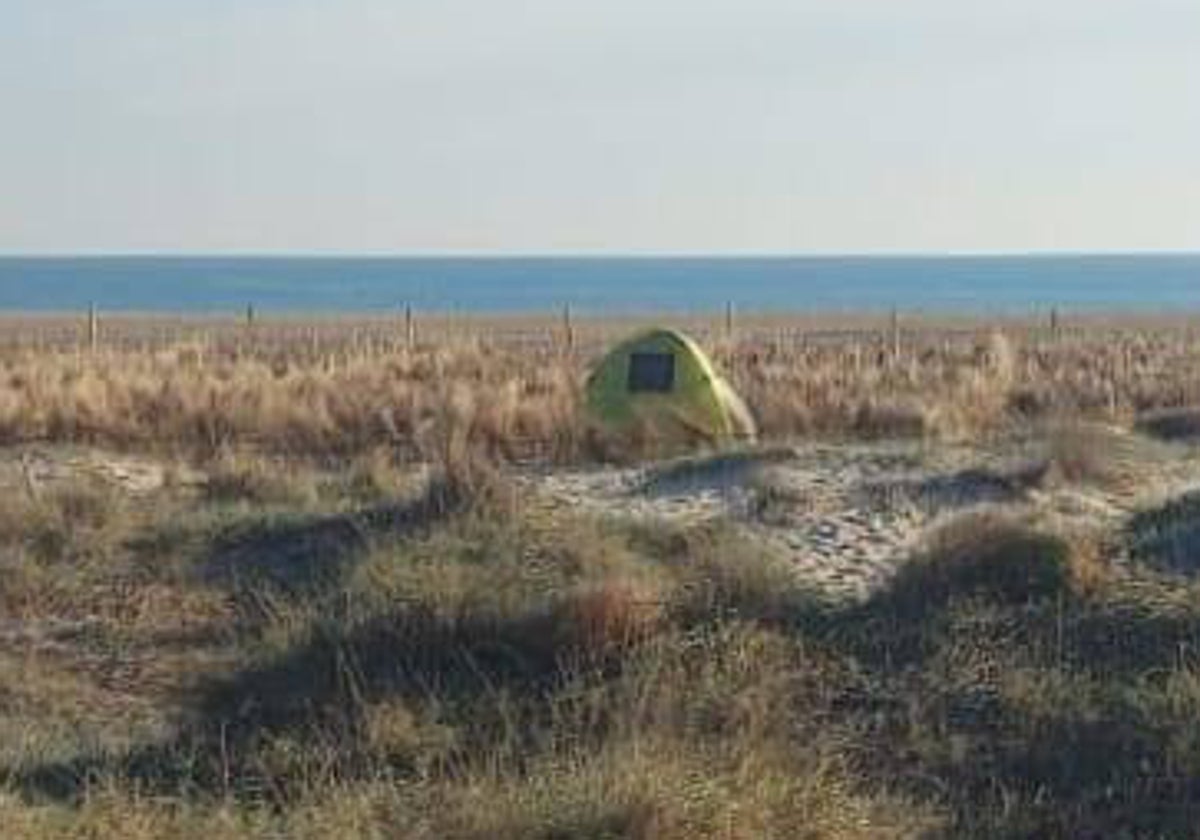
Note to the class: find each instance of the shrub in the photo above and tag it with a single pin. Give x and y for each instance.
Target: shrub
(995, 555)
(894, 419)
(612, 615)
(1102, 455)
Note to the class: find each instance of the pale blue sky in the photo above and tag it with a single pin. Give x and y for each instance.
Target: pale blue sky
(606, 125)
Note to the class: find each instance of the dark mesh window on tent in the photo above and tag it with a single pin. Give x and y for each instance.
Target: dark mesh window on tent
(651, 373)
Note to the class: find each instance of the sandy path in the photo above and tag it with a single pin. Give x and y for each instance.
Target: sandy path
(847, 516)
(36, 468)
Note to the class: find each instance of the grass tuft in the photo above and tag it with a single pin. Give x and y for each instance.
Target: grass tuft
(996, 555)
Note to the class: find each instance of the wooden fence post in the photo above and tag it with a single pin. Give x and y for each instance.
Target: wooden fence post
(895, 330)
(568, 329)
(729, 320)
(93, 328)
(409, 327)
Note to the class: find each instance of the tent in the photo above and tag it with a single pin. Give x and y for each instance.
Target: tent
(660, 387)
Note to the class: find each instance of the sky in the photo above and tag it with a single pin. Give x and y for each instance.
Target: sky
(606, 126)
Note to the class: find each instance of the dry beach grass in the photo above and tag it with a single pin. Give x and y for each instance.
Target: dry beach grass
(339, 614)
(314, 389)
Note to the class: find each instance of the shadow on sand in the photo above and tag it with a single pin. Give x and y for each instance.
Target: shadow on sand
(299, 559)
(1167, 538)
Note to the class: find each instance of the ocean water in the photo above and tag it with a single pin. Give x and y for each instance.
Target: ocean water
(1010, 284)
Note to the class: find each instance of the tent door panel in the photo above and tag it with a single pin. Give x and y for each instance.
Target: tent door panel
(651, 373)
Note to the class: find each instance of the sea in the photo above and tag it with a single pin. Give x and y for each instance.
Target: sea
(1164, 282)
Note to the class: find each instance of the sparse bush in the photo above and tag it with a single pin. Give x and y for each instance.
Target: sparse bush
(993, 554)
(907, 419)
(613, 615)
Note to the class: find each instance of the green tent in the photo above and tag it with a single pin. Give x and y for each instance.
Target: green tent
(660, 387)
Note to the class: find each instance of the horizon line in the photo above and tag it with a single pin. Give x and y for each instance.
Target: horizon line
(469, 254)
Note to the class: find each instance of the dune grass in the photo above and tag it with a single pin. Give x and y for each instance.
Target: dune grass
(280, 389)
(356, 626)
(447, 662)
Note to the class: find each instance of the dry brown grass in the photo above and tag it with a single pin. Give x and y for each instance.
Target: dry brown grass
(515, 394)
(417, 401)
(997, 553)
(307, 647)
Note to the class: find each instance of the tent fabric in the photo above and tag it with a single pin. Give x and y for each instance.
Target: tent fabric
(661, 385)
